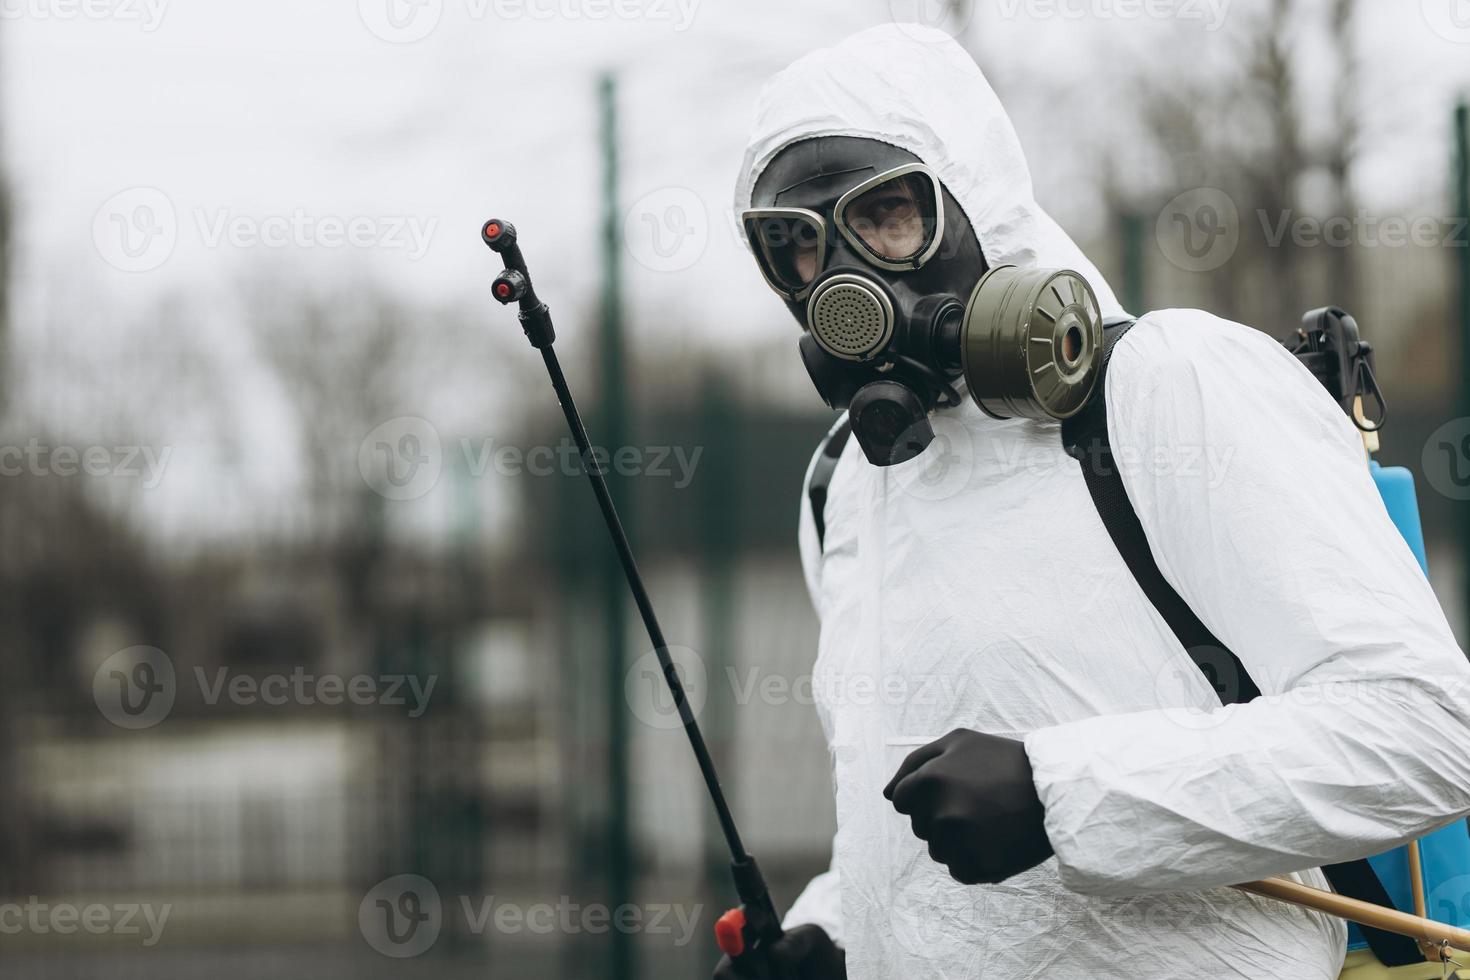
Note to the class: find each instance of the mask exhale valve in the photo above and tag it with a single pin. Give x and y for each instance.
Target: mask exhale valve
(745, 932)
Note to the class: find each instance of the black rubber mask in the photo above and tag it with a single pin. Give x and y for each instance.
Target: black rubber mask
(876, 261)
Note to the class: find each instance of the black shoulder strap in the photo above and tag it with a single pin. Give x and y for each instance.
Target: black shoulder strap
(1085, 437)
(828, 454)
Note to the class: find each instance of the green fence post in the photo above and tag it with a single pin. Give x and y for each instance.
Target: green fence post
(613, 419)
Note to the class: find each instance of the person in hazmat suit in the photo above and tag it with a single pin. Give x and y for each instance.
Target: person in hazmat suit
(1026, 783)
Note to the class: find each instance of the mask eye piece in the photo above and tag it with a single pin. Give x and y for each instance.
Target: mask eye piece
(790, 246)
(895, 218)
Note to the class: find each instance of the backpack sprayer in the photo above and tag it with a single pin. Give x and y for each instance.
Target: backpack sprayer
(744, 932)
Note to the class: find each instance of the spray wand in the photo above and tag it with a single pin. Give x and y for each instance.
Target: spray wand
(742, 933)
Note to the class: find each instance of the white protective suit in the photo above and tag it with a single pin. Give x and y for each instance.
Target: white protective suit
(976, 587)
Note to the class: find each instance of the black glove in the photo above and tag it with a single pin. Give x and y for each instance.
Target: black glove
(971, 797)
(804, 953)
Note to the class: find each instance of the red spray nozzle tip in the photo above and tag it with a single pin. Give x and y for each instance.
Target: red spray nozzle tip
(730, 933)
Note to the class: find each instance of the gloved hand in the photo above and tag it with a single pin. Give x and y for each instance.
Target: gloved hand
(970, 795)
(804, 953)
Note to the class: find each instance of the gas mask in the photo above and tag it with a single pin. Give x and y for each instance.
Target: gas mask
(879, 265)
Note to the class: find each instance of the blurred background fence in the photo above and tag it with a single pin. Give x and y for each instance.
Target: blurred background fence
(300, 590)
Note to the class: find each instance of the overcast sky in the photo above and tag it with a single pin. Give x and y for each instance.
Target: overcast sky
(248, 116)
(165, 147)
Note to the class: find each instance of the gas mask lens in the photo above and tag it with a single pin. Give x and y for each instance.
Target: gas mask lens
(895, 218)
(790, 246)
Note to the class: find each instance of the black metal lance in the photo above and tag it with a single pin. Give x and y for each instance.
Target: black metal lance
(742, 933)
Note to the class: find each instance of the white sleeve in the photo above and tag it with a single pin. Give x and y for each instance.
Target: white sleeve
(808, 545)
(820, 903)
(1251, 486)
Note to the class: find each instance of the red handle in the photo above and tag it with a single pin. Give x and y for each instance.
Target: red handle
(730, 933)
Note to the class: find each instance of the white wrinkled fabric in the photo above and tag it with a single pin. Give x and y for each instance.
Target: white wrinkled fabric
(976, 587)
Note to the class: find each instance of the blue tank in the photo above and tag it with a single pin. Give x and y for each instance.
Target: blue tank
(1445, 853)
